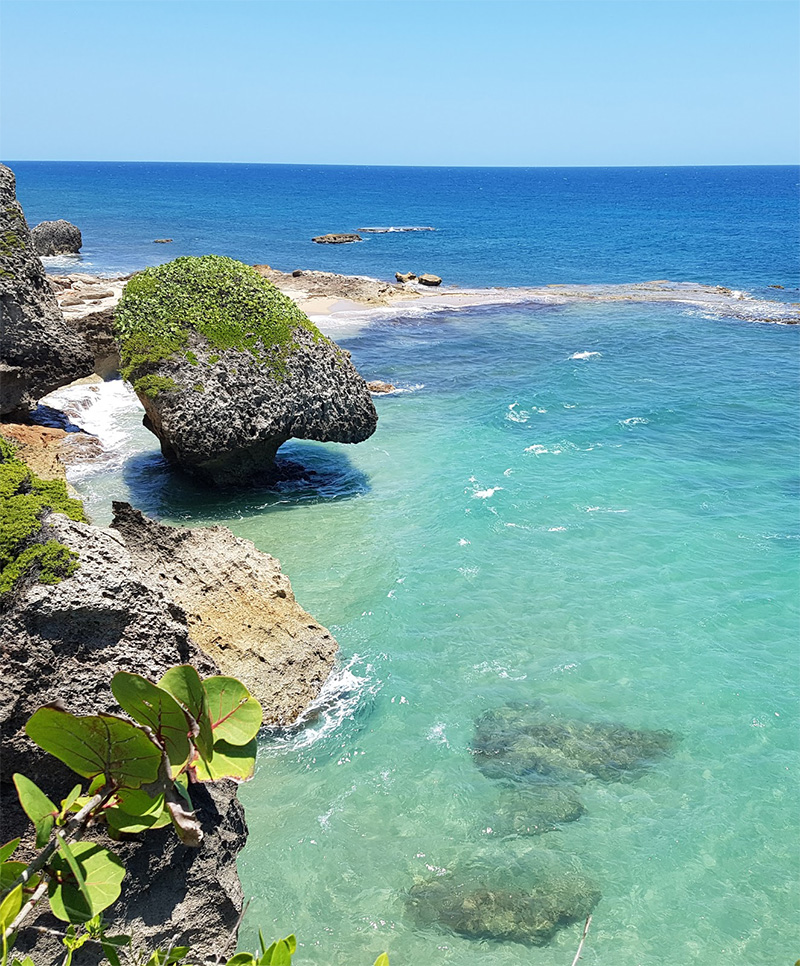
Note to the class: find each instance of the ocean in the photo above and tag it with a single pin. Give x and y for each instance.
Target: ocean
(582, 512)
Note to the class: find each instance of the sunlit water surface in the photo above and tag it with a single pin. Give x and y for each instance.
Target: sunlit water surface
(590, 507)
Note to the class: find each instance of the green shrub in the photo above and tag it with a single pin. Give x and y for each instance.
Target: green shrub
(24, 501)
(225, 301)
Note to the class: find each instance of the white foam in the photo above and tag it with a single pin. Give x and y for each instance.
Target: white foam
(603, 509)
(586, 355)
(634, 421)
(485, 494)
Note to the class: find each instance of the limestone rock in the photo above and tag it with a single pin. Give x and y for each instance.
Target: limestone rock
(357, 288)
(38, 352)
(378, 387)
(334, 239)
(404, 276)
(523, 743)
(428, 279)
(235, 385)
(240, 609)
(56, 238)
(162, 241)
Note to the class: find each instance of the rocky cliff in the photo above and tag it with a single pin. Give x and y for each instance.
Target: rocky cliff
(228, 368)
(38, 352)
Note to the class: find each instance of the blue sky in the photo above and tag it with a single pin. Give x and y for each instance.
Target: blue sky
(438, 82)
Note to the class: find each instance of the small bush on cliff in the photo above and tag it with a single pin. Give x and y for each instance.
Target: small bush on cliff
(225, 301)
(24, 501)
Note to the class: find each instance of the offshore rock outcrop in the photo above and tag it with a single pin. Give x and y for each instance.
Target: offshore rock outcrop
(228, 369)
(57, 238)
(38, 351)
(534, 809)
(240, 609)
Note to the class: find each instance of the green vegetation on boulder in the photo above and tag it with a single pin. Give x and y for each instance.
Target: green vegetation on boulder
(225, 301)
(25, 499)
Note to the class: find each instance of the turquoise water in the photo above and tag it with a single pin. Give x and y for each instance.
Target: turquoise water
(615, 536)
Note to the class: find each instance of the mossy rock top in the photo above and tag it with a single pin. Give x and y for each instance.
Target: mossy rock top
(225, 301)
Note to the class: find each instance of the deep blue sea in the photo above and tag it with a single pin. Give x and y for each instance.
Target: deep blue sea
(590, 510)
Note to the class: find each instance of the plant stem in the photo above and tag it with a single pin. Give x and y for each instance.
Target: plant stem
(583, 940)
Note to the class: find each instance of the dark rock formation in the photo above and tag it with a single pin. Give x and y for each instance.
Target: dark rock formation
(161, 241)
(428, 279)
(38, 352)
(341, 239)
(533, 810)
(488, 906)
(56, 238)
(523, 743)
(235, 371)
(240, 609)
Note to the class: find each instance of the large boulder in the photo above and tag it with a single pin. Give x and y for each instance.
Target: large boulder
(240, 609)
(38, 351)
(57, 238)
(228, 368)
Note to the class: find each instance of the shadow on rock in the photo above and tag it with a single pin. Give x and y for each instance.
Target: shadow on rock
(485, 907)
(521, 743)
(305, 473)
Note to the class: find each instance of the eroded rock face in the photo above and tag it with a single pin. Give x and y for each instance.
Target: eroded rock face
(483, 906)
(67, 641)
(523, 742)
(228, 368)
(38, 352)
(57, 238)
(240, 609)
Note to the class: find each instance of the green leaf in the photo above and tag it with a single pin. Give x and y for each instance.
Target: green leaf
(278, 954)
(27, 961)
(184, 684)
(153, 706)
(160, 958)
(38, 807)
(9, 873)
(99, 744)
(382, 960)
(135, 811)
(102, 874)
(9, 907)
(68, 802)
(230, 761)
(235, 714)
(7, 850)
(242, 959)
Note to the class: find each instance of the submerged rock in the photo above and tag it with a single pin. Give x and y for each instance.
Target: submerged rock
(481, 907)
(521, 742)
(57, 238)
(38, 352)
(239, 607)
(228, 368)
(534, 810)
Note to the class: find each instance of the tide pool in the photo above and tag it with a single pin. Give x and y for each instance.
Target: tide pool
(587, 509)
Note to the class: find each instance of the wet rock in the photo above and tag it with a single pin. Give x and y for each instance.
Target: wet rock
(483, 907)
(404, 276)
(161, 241)
(534, 810)
(38, 352)
(377, 386)
(56, 238)
(523, 743)
(334, 239)
(428, 279)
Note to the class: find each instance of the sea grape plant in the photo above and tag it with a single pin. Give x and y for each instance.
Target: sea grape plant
(183, 730)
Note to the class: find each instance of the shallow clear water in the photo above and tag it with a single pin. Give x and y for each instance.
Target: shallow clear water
(615, 535)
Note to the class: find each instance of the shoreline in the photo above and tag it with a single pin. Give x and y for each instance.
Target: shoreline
(344, 303)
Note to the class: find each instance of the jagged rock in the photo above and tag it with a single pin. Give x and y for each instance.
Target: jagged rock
(533, 810)
(233, 385)
(405, 276)
(56, 238)
(428, 279)
(240, 609)
(377, 386)
(484, 905)
(38, 352)
(341, 239)
(524, 742)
